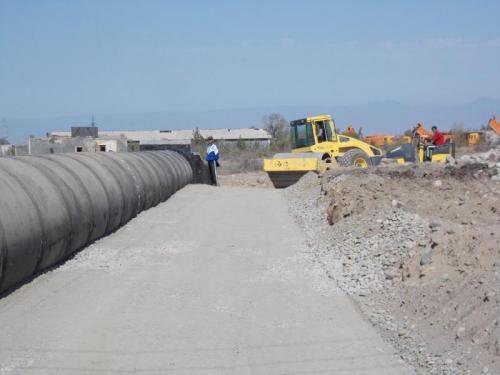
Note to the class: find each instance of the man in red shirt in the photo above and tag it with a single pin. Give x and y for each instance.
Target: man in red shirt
(437, 137)
(437, 140)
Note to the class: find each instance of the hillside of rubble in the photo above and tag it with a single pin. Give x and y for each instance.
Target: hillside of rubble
(418, 248)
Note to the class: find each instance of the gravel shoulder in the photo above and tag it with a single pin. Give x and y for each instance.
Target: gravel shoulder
(418, 249)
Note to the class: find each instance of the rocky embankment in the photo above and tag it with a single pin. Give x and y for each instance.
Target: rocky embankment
(418, 248)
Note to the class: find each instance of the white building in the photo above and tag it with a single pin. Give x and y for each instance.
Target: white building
(255, 136)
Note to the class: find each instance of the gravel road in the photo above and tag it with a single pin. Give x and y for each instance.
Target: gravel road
(213, 281)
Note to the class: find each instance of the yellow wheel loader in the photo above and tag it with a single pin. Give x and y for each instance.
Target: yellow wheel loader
(316, 146)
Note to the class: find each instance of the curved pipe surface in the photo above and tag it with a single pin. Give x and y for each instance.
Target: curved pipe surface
(53, 205)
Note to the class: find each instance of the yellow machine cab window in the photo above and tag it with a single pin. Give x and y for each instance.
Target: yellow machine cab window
(328, 128)
(321, 133)
(302, 133)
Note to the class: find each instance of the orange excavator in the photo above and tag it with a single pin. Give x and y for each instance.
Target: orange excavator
(381, 140)
(494, 125)
(420, 131)
(474, 137)
(378, 140)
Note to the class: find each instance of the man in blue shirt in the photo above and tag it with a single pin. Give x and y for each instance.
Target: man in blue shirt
(212, 159)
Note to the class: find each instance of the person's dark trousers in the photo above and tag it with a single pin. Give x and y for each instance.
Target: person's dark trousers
(428, 152)
(213, 172)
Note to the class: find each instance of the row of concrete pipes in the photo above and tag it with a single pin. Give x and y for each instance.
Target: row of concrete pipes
(51, 206)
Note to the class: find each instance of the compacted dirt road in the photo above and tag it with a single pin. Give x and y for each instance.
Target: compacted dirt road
(214, 281)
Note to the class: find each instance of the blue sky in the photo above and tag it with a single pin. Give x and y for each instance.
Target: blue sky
(63, 58)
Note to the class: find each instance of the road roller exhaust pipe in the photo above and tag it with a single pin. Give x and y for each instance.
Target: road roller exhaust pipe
(53, 205)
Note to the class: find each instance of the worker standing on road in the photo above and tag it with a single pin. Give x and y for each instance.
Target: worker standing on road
(437, 140)
(213, 160)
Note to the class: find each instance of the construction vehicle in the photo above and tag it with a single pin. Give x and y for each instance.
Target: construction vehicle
(420, 149)
(411, 153)
(473, 138)
(317, 147)
(494, 125)
(380, 140)
(419, 131)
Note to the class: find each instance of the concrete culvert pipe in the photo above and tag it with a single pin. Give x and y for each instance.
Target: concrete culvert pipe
(53, 205)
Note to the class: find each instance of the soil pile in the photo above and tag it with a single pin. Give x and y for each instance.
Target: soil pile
(418, 247)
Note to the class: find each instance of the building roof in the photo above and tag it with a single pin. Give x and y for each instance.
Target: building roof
(166, 136)
(234, 134)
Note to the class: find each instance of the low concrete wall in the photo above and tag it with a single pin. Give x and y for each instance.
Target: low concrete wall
(58, 145)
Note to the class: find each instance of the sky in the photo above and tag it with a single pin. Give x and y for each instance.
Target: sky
(65, 58)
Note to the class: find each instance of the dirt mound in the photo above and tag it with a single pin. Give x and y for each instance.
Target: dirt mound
(418, 247)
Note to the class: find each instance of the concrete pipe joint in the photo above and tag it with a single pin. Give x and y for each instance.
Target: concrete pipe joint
(53, 205)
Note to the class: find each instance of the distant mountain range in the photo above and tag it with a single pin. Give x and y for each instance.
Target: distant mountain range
(376, 117)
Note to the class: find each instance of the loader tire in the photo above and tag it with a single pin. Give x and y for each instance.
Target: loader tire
(355, 158)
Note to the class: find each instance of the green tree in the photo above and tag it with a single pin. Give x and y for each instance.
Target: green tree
(198, 143)
(459, 134)
(240, 144)
(277, 126)
(4, 141)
